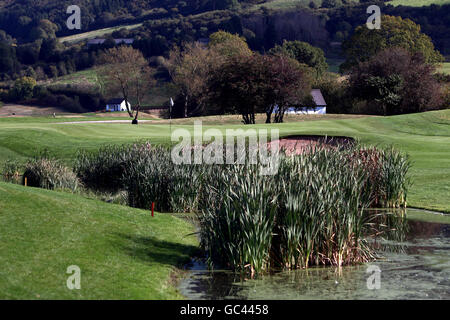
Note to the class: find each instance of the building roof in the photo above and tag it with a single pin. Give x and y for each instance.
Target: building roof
(318, 97)
(115, 101)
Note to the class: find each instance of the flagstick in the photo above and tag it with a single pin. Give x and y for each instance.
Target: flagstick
(170, 119)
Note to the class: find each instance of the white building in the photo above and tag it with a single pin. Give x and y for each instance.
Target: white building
(117, 105)
(319, 107)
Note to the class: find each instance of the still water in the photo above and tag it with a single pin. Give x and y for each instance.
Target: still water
(414, 259)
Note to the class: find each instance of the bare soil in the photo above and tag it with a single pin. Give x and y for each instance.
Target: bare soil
(295, 145)
(17, 110)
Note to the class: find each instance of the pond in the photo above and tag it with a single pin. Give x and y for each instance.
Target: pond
(414, 260)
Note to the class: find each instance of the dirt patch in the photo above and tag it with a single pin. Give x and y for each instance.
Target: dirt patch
(102, 121)
(17, 110)
(142, 115)
(299, 144)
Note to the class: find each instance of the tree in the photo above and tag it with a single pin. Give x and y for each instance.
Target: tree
(23, 88)
(289, 85)
(331, 3)
(191, 67)
(127, 71)
(304, 53)
(228, 44)
(394, 32)
(396, 82)
(189, 70)
(335, 92)
(8, 59)
(250, 84)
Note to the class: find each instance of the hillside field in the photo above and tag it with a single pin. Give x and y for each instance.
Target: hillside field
(418, 3)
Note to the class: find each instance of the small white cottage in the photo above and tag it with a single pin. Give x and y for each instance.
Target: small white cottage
(319, 107)
(117, 105)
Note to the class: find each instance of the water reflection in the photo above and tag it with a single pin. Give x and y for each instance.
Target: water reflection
(414, 258)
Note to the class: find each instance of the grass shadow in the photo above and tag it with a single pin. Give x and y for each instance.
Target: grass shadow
(152, 250)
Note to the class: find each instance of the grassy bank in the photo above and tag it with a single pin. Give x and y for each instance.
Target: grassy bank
(425, 137)
(123, 253)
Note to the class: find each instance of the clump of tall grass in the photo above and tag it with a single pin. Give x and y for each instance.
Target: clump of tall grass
(103, 170)
(311, 212)
(145, 172)
(321, 216)
(237, 228)
(387, 169)
(151, 177)
(49, 174)
(11, 171)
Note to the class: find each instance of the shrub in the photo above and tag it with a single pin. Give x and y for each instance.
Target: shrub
(49, 174)
(102, 170)
(11, 171)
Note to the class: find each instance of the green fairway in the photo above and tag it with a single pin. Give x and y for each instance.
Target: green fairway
(123, 253)
(425, 137)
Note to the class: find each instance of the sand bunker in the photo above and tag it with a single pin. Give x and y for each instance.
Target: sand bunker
(300, 144)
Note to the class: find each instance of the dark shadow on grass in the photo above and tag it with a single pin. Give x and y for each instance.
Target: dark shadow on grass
(152, 250)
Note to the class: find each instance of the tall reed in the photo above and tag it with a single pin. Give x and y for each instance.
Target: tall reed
(311, 212)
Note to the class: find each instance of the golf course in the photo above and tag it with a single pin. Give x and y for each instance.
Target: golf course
(425, 137)
(125, 253)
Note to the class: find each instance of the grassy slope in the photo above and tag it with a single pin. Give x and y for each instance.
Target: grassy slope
(97, 33)
(426, 137)
(89, 81)
(123, 253)
(418, 3)
(445, 68)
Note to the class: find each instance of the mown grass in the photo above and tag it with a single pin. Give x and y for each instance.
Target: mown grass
(425, 137)
(123, 253)
(417, 3)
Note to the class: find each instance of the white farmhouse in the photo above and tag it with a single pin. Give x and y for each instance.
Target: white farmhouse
(319, 107)
(117, 105)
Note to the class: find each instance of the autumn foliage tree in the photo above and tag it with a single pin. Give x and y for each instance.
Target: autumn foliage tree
(127, 71)
(253, 84)
(395, 82)
(394, 32)
(191, 66)
(304, 53)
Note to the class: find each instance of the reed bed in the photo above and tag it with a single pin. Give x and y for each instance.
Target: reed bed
(11, 171)
(50, 174)
(311, 212)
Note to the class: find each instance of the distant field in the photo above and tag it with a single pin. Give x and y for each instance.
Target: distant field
(418, 3)
(89, 80)
(96, 33)
(445, 68)
(334, 63)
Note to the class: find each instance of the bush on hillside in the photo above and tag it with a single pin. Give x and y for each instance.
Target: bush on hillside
(49, 174)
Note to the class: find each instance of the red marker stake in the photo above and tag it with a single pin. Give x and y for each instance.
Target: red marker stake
(153, 209)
